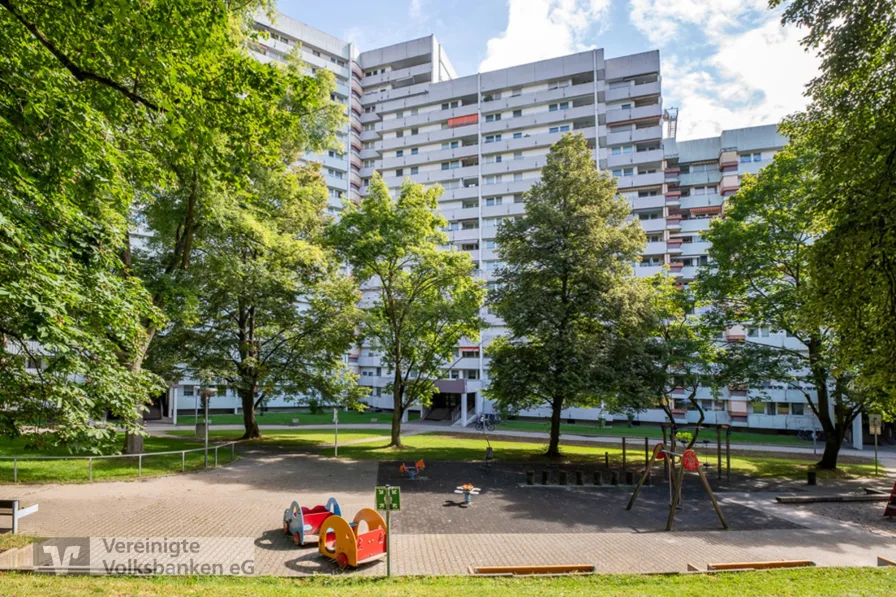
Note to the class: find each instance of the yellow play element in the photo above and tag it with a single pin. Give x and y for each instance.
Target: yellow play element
(342, 541)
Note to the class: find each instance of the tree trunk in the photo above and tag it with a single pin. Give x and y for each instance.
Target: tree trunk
(133, 443)
(249, 422)
(554, 443)
(397, 410)
(832, 444)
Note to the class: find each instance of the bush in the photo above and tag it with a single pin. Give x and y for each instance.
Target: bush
(314, 406)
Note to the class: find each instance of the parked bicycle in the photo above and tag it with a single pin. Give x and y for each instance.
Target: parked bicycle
(810, 434)
(484, 422)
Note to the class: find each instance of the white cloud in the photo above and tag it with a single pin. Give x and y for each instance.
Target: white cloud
(415, 10)
(749, 69)
(541, 29)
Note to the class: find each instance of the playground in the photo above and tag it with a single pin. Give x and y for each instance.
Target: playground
(507, 522)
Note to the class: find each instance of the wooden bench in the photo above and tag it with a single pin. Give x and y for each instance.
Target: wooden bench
(11, 508)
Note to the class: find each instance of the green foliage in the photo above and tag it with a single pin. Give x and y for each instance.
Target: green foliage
(422, 300)
(850, 127)
(762, 276)
(275, 316)
(566, 291)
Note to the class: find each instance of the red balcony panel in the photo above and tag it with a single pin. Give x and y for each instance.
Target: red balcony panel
(462, 120)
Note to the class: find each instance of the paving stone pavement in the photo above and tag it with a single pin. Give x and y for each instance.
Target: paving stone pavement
(246, 499)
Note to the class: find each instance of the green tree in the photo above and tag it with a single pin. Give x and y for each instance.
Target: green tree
(273, 315)
(566, 290)
(153, 104)
(420, 300)
(761, 275)
(850, 125)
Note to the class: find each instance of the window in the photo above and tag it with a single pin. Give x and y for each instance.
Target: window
(469, 354)
(368, 163)
(757, 157)
(559, 129)
(450, 165)
(366, 182)
(516, 91)
(399, 153)
(492, 117)
(449, 105)
(413, 151)
(369, 127)
(415, 170)
(560, 106)
(492, 201)
(745, 158)
(451, 145)
(517, 155)
(518, 198)
(625, 107)
(188, 390)
(490, 244)
(414, 131)
(414, 111)
(470, 225)
(399, 134)
(493, 179)
(316, 53)
(399, 172)
(797, 409)
(492, 138)
(517, 113)
(517, 177)
(758, 407)
(518, 135)
(624, 172)
(471, 373)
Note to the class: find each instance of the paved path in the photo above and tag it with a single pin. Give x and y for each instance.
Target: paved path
(247, 498)
(886, 456)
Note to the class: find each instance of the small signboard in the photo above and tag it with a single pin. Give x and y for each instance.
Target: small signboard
(875, 422)
(388, 498)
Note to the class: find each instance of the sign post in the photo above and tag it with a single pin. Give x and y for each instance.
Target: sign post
(875, 422)
(388, 498)
(336, 433)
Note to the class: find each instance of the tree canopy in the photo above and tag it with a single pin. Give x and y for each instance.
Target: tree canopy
(420, 300)
(566, 290)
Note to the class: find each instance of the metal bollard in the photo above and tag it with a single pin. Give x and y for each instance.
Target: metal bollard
(90, 469)
(614, 478)
(623, 454)
(15, 470)
(561, 477)
(530, 477)
(232, 452)
(812, 477)
(544, 477)
(629, 477)
(183, 462)
(580, 478)
(598, 478)
(139, 465)
(607, 460)
(216, 456)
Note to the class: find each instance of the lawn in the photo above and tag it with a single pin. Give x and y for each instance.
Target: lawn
(780, 583)
(641, 431)
(444, 447)
(300, 439)
(304, 417)
(117, 469)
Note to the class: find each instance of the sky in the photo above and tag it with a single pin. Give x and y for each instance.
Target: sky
(724, 63)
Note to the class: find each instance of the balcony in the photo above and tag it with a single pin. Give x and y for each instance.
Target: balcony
(695, 225)
(638, 157)
(558, 117)
(430, 137)
(357, 70)
(642, 203)
(735, 336)
(357, 90)
(674, 245)
(693, 201)
(657, 225)
(622, 93)
(640, 180)
(700, 178)
(654, 248)
(645, 134)
(431, 117)
(645, 271)
(695, 249)
(643, 113)
(539, 97)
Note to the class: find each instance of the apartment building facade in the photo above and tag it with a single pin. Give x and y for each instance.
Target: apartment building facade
(484, 138)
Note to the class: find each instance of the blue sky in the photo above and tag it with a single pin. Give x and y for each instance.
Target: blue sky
(725, 63)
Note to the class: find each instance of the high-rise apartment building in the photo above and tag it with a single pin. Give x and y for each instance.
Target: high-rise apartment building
(484, 139)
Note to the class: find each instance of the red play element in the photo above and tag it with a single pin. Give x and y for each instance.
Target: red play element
(689, 460)
(316, 516)
(890, 510)
(342, 560)
(658, 451)
(371, 544)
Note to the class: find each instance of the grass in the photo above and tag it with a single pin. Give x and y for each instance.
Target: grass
(642, 431)
(10, 541)
(780, 583)
(292, 438)
(304, 417)
(113, 469)
(443, 447)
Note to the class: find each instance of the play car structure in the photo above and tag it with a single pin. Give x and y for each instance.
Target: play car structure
(363, 540)
(301, 523)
